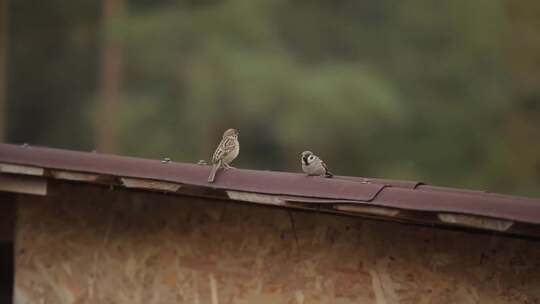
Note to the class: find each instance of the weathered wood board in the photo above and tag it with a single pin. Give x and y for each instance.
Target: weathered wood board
(87, 244)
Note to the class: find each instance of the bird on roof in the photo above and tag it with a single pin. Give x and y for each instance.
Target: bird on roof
(225, 153)
(313, 165)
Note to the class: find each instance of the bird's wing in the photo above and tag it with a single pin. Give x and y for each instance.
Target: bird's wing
(326, 171)
(225, 147)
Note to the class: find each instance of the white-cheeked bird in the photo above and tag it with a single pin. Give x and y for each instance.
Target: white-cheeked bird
(225, 153)
(313, 165)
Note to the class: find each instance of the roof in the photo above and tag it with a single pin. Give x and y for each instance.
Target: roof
(402, 201)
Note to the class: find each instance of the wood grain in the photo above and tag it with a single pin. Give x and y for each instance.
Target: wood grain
(92, 245)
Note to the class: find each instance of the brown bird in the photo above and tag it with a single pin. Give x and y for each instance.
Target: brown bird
(225, 153)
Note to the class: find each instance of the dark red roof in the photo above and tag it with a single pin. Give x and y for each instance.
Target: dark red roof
(403, 195)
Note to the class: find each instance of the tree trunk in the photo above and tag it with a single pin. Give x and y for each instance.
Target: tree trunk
(109, 81)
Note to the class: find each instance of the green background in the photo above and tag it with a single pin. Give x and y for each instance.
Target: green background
(444, 92)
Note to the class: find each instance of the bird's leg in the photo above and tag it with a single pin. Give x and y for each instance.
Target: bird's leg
(227, 166)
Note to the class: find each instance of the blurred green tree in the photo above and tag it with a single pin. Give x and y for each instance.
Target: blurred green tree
(414, 90)
(52, 72)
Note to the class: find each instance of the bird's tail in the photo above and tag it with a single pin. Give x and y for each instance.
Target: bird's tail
(213, 171)
(328, 174)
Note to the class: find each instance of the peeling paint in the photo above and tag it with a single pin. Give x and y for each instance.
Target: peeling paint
(476, 221)
(75, 176)
(20, 169)
(149, 184)
(255, 198)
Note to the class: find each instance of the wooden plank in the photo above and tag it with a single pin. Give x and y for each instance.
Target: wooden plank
(265, 199)
(75, 176)
(476, 221)
(18, 169)
(368, 210)
(20, 184)
(149, 184)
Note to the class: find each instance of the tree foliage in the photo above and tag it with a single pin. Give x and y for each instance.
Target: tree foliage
(415, 90)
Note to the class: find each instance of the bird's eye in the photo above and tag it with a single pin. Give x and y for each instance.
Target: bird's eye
(311, 157)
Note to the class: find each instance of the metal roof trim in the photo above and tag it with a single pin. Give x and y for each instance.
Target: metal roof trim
(519, 209)
(268, 182)
(287, 186)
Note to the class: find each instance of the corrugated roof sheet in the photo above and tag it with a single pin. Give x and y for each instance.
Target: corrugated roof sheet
(285, 186)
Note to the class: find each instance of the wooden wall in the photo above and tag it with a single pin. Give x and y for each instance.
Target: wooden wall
(85, 244)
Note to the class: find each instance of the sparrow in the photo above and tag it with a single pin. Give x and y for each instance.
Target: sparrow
(225, 153)
(313, 165)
